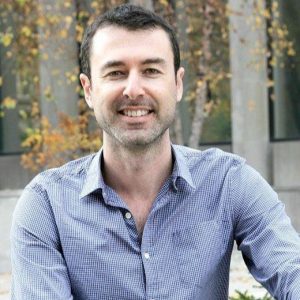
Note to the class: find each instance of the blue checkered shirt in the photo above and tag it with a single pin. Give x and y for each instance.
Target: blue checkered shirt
(74, 238)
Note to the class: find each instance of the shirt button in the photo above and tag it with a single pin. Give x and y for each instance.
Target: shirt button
(146, 255)
(128, 215)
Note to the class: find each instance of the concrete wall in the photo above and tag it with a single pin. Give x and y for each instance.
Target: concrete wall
(286, 164)
(8, 200)
(249, 98)
(286, 176)
(291, 199)
(12, 174)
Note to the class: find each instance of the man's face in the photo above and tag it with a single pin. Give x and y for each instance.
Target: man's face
(133, 90)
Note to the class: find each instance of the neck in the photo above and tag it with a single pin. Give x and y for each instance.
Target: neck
(137, 173)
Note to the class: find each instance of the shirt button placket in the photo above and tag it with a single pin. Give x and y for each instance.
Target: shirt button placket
(147, 255)
(148, 272)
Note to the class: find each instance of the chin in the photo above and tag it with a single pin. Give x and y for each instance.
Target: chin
(140, 143)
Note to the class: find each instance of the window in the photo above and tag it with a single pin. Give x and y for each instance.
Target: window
(10, 132)
(285, 104)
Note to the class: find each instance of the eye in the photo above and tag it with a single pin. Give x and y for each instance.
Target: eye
(115, 74)
(152, 71)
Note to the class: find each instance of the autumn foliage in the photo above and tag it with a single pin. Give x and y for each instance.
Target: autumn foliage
(52, 146)
(203, 33)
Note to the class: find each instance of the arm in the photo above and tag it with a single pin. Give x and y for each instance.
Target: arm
(264, 234)
(38, 267)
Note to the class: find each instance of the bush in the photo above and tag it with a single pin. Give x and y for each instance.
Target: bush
(246, 296)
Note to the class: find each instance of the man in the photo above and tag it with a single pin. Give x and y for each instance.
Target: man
(144, 219)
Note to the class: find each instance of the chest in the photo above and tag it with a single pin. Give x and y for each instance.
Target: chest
(179, 255)
(140, 212)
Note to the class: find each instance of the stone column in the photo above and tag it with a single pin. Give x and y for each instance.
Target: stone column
(249, 98)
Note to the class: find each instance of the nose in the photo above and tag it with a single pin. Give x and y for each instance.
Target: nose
(134, 86)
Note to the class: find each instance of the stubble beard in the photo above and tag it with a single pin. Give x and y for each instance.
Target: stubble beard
(136, 139)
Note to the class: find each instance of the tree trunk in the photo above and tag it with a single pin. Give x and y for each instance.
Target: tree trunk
(183, 119)
(202, 85)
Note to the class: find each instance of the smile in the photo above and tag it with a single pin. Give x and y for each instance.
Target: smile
(135, 113)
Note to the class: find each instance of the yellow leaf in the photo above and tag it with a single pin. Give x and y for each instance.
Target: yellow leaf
(35, 109)
(73, 78)
(68, 20)
(41, 21)
(23, 114)
(1, 81)
(280, 32)
(198, 52)
(79, 33)
(7, 39)
(258, 21)
(274, 5)
(270, 83)
(63, 33)
(94, 4)
(266, 14)
(9, 103)
(164, 3)
(25, 30)
(291, 52)
(67, 4)
(34, 51)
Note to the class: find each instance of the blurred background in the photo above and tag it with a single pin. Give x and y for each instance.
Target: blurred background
(241, 89)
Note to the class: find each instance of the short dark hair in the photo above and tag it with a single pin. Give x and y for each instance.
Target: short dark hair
(130, 17)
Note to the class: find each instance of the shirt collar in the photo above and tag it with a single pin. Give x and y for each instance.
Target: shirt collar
(181, 168)
(94, 179)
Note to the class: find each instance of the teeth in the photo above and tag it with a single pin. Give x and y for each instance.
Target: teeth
(135, 113)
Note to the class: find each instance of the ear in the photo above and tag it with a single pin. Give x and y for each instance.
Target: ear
(179, 83)
(86, 84)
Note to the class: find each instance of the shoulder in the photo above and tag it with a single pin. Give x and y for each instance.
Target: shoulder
(51, 185)
(212, 157)
(72, 171)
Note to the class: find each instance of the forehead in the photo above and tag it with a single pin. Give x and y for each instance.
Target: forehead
(112, 41)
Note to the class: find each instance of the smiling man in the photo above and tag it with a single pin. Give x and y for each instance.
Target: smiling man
(144, 219)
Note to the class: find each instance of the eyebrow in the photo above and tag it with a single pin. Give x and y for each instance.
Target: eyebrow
(156, 60)
(119, 63)
(111, 64)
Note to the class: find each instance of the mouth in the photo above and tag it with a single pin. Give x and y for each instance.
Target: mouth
(135, 113)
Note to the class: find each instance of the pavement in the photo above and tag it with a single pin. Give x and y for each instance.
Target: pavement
(240, 278)
(5, 280)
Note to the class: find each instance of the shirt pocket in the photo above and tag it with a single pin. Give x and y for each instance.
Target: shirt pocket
(198, 250)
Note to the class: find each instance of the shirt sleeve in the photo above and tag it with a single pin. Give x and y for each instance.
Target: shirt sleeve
(38, 267)
(263, 231)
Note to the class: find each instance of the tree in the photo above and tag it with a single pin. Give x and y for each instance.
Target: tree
(41, 35)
